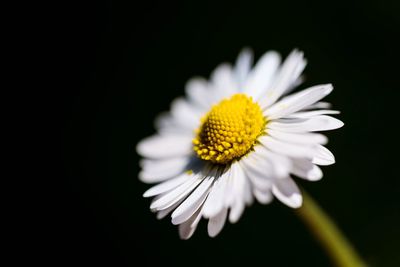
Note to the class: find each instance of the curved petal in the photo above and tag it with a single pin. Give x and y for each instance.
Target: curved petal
(261, 77)
(238, 202)
(259, 172)
(159, 170)
(167, 185)
(323, 156)
(314, 124)
(281, 164)
(243, 65)
(287, 192)
(264, 197)
(215, 200)
(165, 146)
(162, 213)
(298, 101)
(298, 138)
(309, 114)
(170, 198)
(187, 228)
(216, 223)
(287, 149)
(197, 89)
(166, 124)
(193, 202)
(185, 113)
(319, 105)
(286, 76)
(305, 169)
(223, 83)
(248, 195)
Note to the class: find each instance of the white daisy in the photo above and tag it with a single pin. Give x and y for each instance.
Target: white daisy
(234, 138)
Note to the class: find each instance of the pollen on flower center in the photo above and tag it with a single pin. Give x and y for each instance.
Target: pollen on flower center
(229, 130)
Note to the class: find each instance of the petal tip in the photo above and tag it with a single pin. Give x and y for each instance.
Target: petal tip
(174, 220)
(328, 88)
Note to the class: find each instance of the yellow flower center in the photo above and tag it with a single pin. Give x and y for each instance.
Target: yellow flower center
(229, 130)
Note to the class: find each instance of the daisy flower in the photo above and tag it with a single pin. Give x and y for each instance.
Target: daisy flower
(237, 137)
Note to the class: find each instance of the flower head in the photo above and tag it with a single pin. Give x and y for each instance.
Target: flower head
(229, 130)
(234, 138)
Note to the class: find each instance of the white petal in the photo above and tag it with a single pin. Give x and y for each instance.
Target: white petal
(197, 89)
(287, 192)
(216, 223)
(198, 217)
(298, 101)
(162, 169)
(156, 198)
(187, 228)
(162, 213)
(309, 114)
(281, 164)
(286, 76)
(231, 185)
(261, 77)
(296, 78)
(175, 195)
(259, 172)
(185, 113)
(223, 83)
(168, 125)
(305, 169)
(193, 202)
(295, 84)
(229, 194)
(215, 200)
(236, 211)
(165, 146)
(323, 156)
(319, 105)
(243, 65)
(248, 195)
(238, 203)
(167, 186)
(314, 124)
(264, 197)
(299, 138)
(287, 149)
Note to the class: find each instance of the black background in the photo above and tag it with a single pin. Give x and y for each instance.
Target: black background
(122, 63)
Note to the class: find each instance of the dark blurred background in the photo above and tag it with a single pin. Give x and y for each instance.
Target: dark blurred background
(122, 64)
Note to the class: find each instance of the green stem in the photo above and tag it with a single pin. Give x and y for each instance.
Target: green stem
(330, 237)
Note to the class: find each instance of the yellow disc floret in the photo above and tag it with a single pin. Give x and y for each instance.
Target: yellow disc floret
(229, 130)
